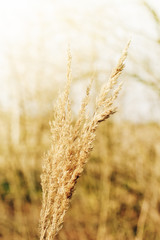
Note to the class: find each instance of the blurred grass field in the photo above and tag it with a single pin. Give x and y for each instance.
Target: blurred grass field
(117, 197)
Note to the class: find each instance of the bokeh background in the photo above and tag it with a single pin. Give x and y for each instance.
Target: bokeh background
(118, 196)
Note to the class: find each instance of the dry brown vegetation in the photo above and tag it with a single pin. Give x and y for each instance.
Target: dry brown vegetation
(117, 197)
(70, 148)
(119, 186)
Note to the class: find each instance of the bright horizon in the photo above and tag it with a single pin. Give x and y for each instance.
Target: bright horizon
(82, 24)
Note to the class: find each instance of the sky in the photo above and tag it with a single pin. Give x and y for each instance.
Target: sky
(35, 34)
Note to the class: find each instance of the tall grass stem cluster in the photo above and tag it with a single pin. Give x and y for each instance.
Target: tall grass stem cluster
(71, 144)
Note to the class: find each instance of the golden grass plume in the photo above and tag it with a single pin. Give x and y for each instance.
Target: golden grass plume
(71, 146)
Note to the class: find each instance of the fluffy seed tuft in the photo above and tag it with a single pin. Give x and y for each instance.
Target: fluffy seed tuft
(70, 148)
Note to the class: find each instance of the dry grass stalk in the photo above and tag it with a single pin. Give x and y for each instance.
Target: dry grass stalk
(70, 148)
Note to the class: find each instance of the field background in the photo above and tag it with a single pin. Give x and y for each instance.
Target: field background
(118, 195)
